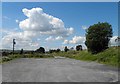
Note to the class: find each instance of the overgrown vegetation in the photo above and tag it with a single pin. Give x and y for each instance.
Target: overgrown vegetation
(15, 56)
(108, 56)
(98, 37)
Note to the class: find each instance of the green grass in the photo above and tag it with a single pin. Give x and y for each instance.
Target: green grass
(15, 56)
(38, 55)
(9, 58)
(108, 56)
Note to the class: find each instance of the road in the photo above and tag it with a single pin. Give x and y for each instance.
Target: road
(57, 70)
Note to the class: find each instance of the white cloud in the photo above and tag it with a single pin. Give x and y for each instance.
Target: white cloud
(75, 40)
(22, 40)
(112, 41)
(84, 27)
(36, 24)
(43, 23)
(59, 38)
(17, 21)
(50, 38)
(66, 42)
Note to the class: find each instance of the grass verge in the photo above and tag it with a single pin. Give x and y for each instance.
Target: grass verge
(109, 56)
(15, 56)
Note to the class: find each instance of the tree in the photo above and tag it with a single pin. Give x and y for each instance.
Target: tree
(58, 50)
(66, 49)
(98, 37)
(50, 51)
(54, 50)
(21, 52)
(5, 53)
(41, 50)
(79, 47)
(71, 48)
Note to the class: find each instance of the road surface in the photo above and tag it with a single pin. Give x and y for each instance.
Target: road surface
(57, 70)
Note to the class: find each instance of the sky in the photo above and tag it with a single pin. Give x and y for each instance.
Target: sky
(53, 25)
(60, 0)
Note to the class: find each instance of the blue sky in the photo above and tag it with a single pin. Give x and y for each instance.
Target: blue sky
(79, 16)
(60, 0)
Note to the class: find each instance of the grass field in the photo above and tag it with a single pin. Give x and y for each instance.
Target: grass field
(15, 56)
(110, 56)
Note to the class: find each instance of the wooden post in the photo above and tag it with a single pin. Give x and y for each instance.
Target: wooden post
(13, 45)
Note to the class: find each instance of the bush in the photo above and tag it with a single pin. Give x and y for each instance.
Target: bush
(5, 53)
(110, 56)
(5, 59)
(98, 37)
(40, 50)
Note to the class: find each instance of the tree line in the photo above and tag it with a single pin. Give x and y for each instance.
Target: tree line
(42, 49)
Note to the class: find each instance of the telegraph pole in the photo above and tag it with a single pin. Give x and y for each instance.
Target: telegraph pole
(13, 45)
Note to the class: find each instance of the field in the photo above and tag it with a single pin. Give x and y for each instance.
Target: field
(109, 56)
(17, 56)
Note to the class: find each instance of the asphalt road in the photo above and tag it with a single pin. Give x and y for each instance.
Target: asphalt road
(57, 70)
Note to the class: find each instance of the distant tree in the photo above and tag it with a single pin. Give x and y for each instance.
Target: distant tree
(4, 53)
(50, 51)
(98, 37)
(41, 50)
(66, 49)
(79, 47)
(58, 50)
(54, 50)
(32, 52)
(71, 48)
(21, 52)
